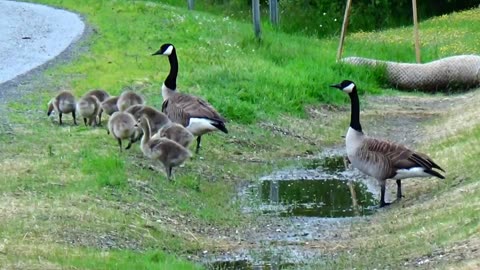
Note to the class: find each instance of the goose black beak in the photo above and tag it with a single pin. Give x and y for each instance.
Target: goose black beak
(159, 52)
(336, 86)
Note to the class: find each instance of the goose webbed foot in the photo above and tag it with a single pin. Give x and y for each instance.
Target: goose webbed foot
(383, 204)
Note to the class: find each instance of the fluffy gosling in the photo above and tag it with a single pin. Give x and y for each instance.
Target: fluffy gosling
(168, 152)
(89, 107)
(127, 99)
(64, 102)
(109, 106)
(175, 132)
(122, 126)
(102, 95)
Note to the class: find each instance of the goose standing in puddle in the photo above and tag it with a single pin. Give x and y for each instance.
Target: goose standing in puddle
(379, 158)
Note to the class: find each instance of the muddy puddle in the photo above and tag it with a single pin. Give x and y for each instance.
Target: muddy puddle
(322, 188)
(314, 200)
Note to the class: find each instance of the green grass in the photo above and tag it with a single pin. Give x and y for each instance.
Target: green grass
(64, 185)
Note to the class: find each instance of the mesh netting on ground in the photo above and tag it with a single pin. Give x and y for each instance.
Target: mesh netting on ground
(447, 74)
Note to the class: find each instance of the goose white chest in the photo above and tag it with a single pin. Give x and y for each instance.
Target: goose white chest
(166, 92)
(353, 142)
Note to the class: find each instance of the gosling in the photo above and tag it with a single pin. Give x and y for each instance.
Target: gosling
(168, 152)
(122, 126)
(127, 99)
(64, 102)
(102, 95)
(175, 132)
(109, 106)
(157, 118)
(88, 107)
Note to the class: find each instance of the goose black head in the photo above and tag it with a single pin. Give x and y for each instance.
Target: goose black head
(346, 86)
(165, 49)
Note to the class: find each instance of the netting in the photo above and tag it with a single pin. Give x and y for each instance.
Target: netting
(451, 73)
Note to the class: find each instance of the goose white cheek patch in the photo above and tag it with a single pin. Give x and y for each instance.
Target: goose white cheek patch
(348, 88)
(169, 50)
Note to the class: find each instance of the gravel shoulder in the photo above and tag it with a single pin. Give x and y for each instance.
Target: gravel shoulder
(32, 34)
(33, 38)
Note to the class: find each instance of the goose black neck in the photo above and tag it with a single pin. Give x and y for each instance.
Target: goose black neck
(171, 80)
(355, 112)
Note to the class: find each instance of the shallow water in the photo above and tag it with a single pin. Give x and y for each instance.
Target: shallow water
(295, 206)
(316, 198)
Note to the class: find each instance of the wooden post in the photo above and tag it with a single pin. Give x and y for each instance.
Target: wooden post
(415, 30)
(274, 18)
(344, 29)
(256, 18)
(191, 4)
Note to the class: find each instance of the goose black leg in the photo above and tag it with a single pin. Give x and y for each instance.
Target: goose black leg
(60, 118)
(169, 173)
(120, 144)
(382, 195)
(74, 118)
(85, 121)
(399, 189)
(129, 144)
(100, 118)
(199, 138)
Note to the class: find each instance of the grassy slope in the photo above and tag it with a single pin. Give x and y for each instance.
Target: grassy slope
(53, 177)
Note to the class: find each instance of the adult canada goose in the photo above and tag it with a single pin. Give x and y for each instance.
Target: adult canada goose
(127, 99)
(168, 152)
(64, 102)
(89, 107)
(109, 106)
(382, 159)
(102, 95)
(122, 126)
(194, 113)
(175, 132)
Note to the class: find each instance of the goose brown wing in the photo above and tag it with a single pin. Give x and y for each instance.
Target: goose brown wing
(196, 107)
(400, 156)
(176, 113)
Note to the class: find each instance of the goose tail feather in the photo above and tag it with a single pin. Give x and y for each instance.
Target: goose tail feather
(434, 173)
(220, 126)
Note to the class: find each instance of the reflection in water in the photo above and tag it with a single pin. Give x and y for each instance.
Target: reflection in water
(318, 198)
(247, 265)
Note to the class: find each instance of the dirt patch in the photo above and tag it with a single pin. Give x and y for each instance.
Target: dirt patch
(458, 252)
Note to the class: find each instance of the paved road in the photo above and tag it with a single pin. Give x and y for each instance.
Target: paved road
(32, 34)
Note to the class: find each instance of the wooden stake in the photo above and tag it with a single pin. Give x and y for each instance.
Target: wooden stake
(344, 29)
(191, 4)
(256, 18)
(415, 30)
(273, 5)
